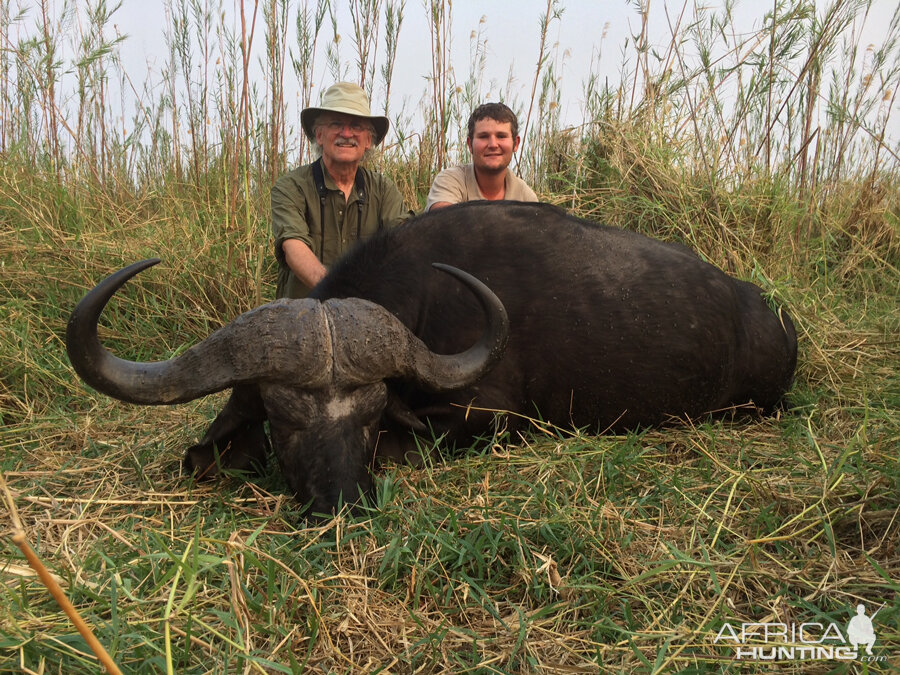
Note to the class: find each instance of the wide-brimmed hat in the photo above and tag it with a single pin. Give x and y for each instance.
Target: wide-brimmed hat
(347, 98)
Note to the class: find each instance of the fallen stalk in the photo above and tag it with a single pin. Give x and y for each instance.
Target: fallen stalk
(53, 586)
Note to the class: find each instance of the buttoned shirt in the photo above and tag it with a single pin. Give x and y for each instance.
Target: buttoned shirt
(297, 214)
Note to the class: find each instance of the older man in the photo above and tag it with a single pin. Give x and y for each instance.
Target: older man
(319, 210)
(492, 140)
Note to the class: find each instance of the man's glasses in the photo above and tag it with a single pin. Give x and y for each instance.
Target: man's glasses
(356, 128)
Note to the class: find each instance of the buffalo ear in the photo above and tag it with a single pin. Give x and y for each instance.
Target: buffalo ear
(397, 411)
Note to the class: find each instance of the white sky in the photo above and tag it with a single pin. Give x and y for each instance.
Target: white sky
(512, 31)
(511, 28)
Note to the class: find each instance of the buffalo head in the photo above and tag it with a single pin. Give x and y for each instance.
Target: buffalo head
(315, 369)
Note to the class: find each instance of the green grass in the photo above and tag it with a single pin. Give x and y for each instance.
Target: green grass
(526, 557)
(556, 552)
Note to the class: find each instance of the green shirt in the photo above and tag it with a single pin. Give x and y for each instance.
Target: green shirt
(297, 214)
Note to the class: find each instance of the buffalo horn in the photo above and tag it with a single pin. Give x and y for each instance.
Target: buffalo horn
(303, 343)
(369, 349)
(278, 341)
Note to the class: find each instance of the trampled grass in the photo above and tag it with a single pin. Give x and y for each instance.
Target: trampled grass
(555, 552)
(548, 555)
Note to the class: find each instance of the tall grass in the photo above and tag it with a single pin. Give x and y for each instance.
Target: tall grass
(767, 151)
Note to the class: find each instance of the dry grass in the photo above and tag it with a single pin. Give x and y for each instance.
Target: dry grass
(551, 553)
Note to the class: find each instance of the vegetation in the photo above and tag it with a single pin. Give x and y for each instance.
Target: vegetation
(769, 152)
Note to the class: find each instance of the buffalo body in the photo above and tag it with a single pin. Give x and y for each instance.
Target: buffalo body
(608, 330)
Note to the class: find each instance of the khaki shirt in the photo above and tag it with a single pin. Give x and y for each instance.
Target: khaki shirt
(297, 214)
(458, 184)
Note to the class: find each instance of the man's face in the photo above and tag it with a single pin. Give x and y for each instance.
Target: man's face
(344, 139)
(492, 145)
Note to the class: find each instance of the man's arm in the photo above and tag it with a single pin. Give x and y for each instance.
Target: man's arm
(303, 262)
(448, 188)
(291, 232)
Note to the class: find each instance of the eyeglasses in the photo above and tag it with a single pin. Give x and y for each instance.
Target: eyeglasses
(356, 128)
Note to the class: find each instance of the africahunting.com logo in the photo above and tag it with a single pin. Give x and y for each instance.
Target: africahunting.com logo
(809, 641)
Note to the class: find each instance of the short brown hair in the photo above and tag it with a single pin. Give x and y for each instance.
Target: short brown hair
(495, 111)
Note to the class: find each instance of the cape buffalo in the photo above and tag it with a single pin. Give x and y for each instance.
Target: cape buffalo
(608, 330)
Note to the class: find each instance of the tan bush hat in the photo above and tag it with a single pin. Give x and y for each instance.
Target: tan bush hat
(347, 98)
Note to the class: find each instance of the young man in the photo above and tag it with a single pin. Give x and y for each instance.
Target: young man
(319, 210)
(492, 140)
